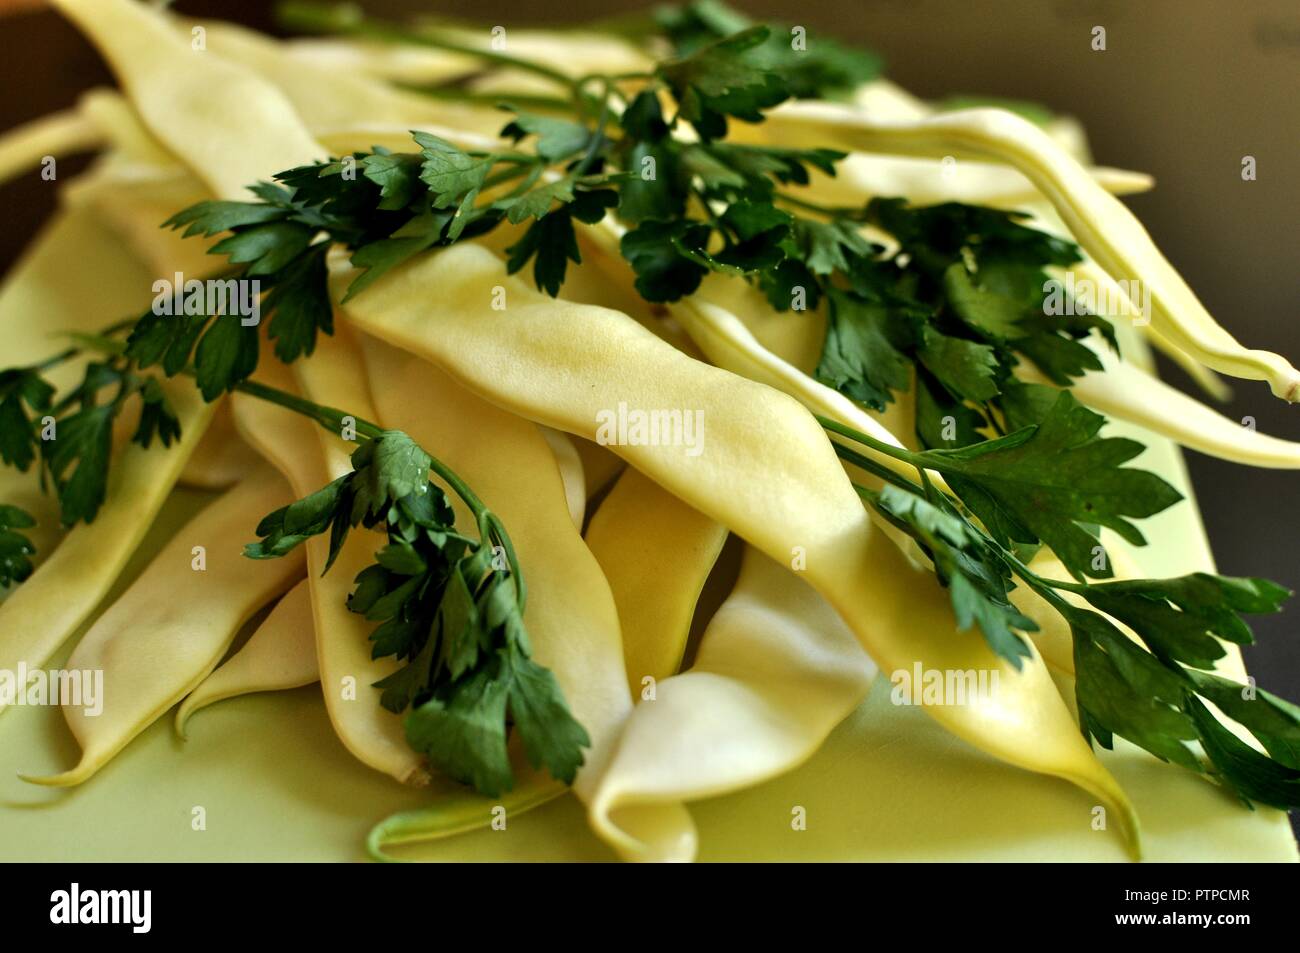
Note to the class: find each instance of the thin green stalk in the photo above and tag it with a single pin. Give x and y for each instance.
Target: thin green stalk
(889, 450)
(830, 211)
(876, 468)
(597, 137)
(332, 419)
(456, 94)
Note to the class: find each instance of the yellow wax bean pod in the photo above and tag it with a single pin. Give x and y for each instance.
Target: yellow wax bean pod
(416, 65)
(58, 134)
(777, 669)
(231, 127)
(335, 376)
(173, 625)
(461, 810)
(131, 142)
(221, 458)
(571, 52)
(570, 615)
(327, 98)
(1109, 232)
(279, 655)
(570, 464)
(134, 200)
(768, 473)
(1126, 392)
(1112, 301)
(347, 672)
(136, 186)
(656, 552)
(1206, 379)
(928, 182)
(42, 613)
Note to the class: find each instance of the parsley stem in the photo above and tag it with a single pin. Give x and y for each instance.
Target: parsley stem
(332, 419)
(830, 211)
(456, 94)
(597, 137)
(876, 468)
(889, 450)
(1044, 587)
(55, 361)
(615, 77)
(489, 525)
(506, 175)
(350, 21)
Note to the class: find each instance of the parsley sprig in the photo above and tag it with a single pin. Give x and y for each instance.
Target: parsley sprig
(450, 607)
(1152, 690)
(71, 435)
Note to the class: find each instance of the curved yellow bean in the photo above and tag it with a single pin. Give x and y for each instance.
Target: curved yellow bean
(1126, 392)
(572, 52)
(1125, 311)
(860, 177)
(767, 472)
(347, 672)
(777, 670)
(1108, 290)
(1112, 236)
(56, 135)
(134, 200)
(929, 180)
(328, 98)
(130, 142)
(1210, 382)
(44, 611)
(230, 127)
(463, 810)
(656, 552)
(280, 655)
(174, 624)
(570, 615)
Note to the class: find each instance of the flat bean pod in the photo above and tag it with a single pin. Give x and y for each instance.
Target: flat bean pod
(154, 651)
(279, 655)
(656, 552)
(776, 671)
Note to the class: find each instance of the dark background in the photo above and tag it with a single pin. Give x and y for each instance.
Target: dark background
(1184, 90)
